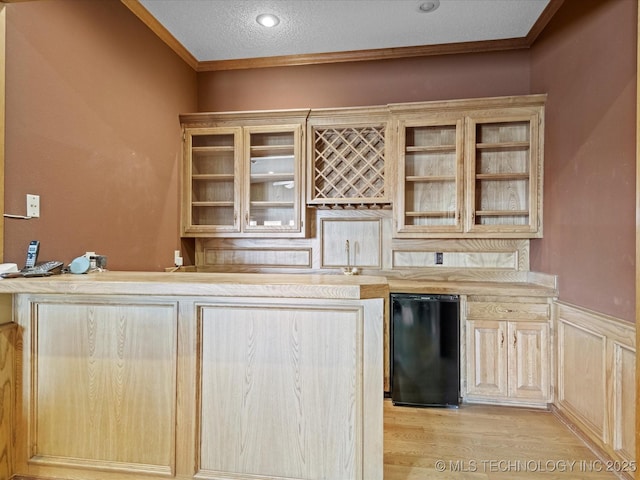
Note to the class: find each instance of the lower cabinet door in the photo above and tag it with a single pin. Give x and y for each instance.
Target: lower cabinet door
(292, 385)
(528, 360)
(486, 358)
(508, 361)
(103, 394)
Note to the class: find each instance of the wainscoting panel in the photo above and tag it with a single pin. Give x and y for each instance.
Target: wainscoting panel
(581, 369)
(8, 335)
(596, 357)
(624, 401)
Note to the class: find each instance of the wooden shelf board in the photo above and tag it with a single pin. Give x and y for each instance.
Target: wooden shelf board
(271, 204)
(431, 149)
(272, 177)
(213, 149)
(503, 146)
(502, 213)
(444, 214)
(502, 176)
(430, 178)
(216, 177)
(273, 148)
(212, 204)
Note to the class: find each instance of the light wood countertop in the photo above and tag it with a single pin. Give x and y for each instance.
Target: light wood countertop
(203, 284)
(261, 285)
(471, 288)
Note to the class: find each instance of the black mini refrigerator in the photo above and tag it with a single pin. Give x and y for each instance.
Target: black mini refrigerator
(425, 350)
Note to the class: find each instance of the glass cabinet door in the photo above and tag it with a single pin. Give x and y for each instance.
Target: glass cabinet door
(213, 181)
(272, 179)
(430, 174)
(503, 181)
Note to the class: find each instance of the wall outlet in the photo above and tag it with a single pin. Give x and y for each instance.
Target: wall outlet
(439, 258)
(33, 205)
(177, 259)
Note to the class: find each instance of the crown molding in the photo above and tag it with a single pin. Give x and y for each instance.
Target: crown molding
(156, 27)
(340, 57)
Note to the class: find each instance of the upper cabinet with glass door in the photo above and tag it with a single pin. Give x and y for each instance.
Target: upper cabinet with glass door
(243, 174)
(470, 168)
(272, 183)
(504, 177)
(430, 176)
(211, 186)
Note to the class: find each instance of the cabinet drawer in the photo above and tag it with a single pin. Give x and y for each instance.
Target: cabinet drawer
(507, 311)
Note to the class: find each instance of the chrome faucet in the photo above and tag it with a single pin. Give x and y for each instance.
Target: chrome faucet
(349, 270)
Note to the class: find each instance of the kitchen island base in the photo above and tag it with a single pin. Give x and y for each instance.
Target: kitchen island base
(224, 387)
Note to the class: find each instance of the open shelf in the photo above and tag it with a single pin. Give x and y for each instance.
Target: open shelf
(431, 149)
(214, 177)
(213, 149)
(443, 214)
(273, 152)
(502, 213)
(503, 146)
(502, 176)
(212, 204)
(272, 177)
(430, 178)
(262, 204)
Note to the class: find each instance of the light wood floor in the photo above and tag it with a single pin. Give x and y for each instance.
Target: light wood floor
(483, 442)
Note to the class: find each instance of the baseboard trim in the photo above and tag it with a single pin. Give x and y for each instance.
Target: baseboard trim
(602, 455)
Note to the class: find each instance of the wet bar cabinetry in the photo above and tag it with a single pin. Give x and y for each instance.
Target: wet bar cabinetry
(508, 350)
(470, 168)
(130, 375)
(430, 190)
(506, 338)
(449, 169)
(243, 174)
(349, 160)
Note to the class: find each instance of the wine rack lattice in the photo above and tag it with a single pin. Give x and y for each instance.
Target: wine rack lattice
(349, 165)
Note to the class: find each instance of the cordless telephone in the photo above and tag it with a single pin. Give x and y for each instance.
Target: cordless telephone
(32, 254)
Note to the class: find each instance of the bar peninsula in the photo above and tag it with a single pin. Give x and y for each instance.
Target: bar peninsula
(120, 375)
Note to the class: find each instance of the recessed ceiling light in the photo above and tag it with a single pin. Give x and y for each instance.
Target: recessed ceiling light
(267, 20)
(429, 6)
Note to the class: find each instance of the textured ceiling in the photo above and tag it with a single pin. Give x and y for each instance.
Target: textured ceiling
(213, 30)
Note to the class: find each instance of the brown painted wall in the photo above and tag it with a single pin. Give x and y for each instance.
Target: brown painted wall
(93, 98)
(366, 83)
(585, 61)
